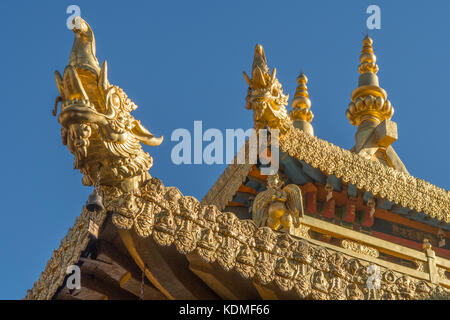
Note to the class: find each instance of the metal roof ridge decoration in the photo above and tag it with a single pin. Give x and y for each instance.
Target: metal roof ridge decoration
(371, 176)
(262, 254)
(385, 182)
(269, 111)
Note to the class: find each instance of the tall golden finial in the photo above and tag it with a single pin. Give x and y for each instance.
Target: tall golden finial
(368, 59)
(301, 114)
(371, 111)
(369, 101)
(369, 106)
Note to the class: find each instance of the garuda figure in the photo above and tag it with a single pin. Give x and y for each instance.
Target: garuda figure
(277, 206)
(97, 126)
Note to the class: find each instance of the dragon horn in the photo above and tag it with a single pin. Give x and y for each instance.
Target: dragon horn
(103, 77)
(247, 79)
(258, 78)
(274, 74)
(59, 83)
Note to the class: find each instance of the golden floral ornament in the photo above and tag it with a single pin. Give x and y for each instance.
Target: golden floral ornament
(369, 107)
(359, 248)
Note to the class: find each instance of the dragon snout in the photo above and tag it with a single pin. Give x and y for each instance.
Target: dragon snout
(79, 25)
(259, 49)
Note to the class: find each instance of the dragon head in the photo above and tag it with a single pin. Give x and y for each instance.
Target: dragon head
(265, 95)
(97, 126)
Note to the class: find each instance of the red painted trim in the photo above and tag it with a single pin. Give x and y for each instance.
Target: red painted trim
(350, 212)
(311, 203)
(244, 188)
(257, 174)
(329, 209)
(392, 217)
(235, 204)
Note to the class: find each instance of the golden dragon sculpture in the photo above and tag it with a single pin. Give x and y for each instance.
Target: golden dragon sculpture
(265, 96)
(97, 126)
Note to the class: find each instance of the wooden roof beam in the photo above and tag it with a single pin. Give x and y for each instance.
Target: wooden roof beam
(129, 281)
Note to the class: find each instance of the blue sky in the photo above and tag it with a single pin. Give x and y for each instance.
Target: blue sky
(182, 61)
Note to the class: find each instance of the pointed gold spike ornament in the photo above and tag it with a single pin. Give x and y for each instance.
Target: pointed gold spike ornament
(369, 100)
(97, 126)
(301, 113)
(369, 106)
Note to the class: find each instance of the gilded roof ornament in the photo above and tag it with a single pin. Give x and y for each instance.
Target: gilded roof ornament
(277, 207)
(301, 104)
(301, 114)
(265, 95)
(371, 111)
(369, 100)
(97, 126)
(258, 253)
(83, 50)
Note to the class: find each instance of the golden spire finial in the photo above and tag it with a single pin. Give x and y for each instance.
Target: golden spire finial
(301, 114)
(368, 58)
(301, 102)
(369, 101)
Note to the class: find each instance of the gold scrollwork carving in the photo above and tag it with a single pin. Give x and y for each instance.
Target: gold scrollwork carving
(265, 255)
(359, 248)
(68, 253)
(385, 182)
